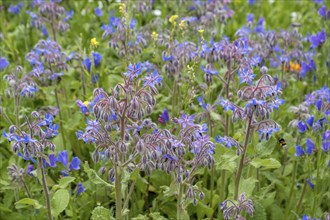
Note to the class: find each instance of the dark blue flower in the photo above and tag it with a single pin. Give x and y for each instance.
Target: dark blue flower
(226, 104)
(164, 117)
(95, 78)
(202, 103)
(75, 164)
(15, 9)
(323, 11)
(55, 76)
(133, 23)
(259, 28)
(318, 104)
(186, 120)
(29, 170)
(52, 160)
(97, 58)
(83, 107)
(310, 146)
(250, 18)
(310, 121)
(27, 158)
(318, 39)
(302, 127)
(208, 70)
(63, 157)
(87, 64)
(310, 183)
(3, 63)
(98, 11)
(80, 188)
(168, 58)
(44, 31)
(299, 151)
(133, 70)
(68, 15)
(246, 76)
(153, 79)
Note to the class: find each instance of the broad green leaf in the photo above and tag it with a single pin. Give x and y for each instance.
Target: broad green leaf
(247, 186)
(101, 213)
(94, 178)
(260, 212)
(63, 183)
(203, 210)
(27, 202)
(60, 201)
(270, 163)
(156, 216)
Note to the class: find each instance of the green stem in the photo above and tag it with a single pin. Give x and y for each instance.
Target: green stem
(44, 184)
(179, 205)
(16, 113)
(26, 188)
(285, 159)
(317, 186)
(119, 202)
(61, 119)
(258, 178)
(302, 196)
(223, 185)
(293, 182)
(241, 164)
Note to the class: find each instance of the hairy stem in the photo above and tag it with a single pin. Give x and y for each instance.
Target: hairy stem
(44, 185)
(179, 205)
(26, 188)
(241, 164)
(285, 159)
(119, 201)
(61, 119)
(293, 182)
(302, 196)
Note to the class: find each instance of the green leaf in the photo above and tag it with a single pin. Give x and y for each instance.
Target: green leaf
(260, 212)
(60, 201)
(63, 183)
(203, 210)
(94, 178)
(156, 216)
(101, 213)
(270, 163)
(23, 203)
(247, 186)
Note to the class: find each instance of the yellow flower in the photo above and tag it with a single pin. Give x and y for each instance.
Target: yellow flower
(94, 42)
(183, 24)
(201, 31)
(86, 103)
(172, 19)
(122, 7)
(154, 35)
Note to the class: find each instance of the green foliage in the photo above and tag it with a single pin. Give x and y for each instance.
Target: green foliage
(60, 201)
(26, 202)
(101, 213)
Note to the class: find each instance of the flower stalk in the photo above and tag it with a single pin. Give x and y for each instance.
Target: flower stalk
(44, 185)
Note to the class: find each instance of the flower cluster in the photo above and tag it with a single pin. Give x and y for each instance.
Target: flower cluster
(36, 139)
(234, 209)
(47, 60)
(20, 84)
(50, 12)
